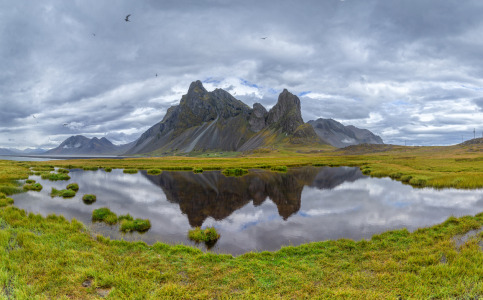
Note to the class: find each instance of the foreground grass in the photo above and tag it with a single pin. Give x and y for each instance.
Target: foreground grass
(50, 258)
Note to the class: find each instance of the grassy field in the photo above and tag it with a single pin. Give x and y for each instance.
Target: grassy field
(52, 258)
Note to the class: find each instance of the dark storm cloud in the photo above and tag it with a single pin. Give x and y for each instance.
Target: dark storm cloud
(403, 69)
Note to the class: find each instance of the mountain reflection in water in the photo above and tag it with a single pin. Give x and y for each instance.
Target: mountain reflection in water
(262, 210)
(212, 194)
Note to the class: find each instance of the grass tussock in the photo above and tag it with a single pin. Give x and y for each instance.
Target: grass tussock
(5, 201)
(73, 186)
(30, 181)
(104, 214)
(154, 171)
(33, 187)
(279, 168)
(62, 193)
(130, 171)
(63, 171)
(135, 225)
(197, 170)
(234, 172)
(203, 235)
(107, 169)
(89, 199)
(55, 177)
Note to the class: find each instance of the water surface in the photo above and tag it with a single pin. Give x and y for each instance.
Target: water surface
(262, 210)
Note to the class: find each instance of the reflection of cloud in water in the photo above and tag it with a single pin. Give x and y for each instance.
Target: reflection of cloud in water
(259, 211)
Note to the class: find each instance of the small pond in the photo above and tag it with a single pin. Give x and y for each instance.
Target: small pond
(262, 210)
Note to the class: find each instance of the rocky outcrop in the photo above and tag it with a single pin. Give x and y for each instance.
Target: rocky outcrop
(305, 134)
(338, 135)
(258, 118)
(286, 114)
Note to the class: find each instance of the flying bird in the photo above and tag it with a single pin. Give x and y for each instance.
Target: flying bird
(156, 74)
(94, 34)
(65, 124)
(34, 117)
(127, 18)
(263, 38)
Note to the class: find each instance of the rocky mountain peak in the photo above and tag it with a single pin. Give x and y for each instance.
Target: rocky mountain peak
(258, 118)
(197, 87)
(286, 113)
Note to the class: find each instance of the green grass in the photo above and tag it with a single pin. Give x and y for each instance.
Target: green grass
(5, 201)
(90, 168)
(33, 187)
(73, 186)
(62, 193)
(30, 181)
(55, 177)
(89, 199)
(234, 172)
(197, 170)
(125, 217)
(130, 171)
(279, 168)
(104, 215)
(154, 171)
(135, 225)
(63, 171)
(203, 235)
(108, 169)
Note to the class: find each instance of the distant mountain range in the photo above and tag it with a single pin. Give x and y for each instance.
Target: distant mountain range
(14, 151)
(80, 145)
(216, 121)
(341, 136)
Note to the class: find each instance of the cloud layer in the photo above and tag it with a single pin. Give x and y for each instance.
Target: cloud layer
(406, 70)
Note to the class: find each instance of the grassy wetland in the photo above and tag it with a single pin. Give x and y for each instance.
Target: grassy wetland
(52, 257)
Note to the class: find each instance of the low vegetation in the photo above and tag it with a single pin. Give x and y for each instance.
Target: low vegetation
(89, 199)
(5, 201)
(154, 171)
(135, 225)
(90, 168)
(55, 177)
(104, 215)
(279, 168)
(73, 186)
(30, 181)
(234, 172)
(108, 169)
(203, 235)
(130, 171)
(197, 170)
(63, 171)
(33, 187)
(62, 193)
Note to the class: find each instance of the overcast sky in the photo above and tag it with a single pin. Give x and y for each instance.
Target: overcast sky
(406, 70)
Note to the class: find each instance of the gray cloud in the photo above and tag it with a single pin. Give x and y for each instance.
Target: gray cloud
(403, 69)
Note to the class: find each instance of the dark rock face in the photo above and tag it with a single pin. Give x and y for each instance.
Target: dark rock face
(258, 119)
(217, 121)
(304, 134)
(341, 136)
(286, 113)
(80, 145)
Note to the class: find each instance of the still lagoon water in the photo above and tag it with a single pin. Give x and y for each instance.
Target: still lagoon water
(262, 210)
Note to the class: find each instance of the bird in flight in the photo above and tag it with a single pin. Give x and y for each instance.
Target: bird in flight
(65, 124)
(263, 38)
(34, 117)
(94, 34)
(156, 74)
(127, 18)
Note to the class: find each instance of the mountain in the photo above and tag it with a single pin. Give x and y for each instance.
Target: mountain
(80, 145)
(4, 151)
(341, 136)
(217, 121)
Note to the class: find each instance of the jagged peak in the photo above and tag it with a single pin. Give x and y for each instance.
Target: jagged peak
(197, 87)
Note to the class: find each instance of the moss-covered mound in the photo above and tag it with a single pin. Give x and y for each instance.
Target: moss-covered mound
(104, 215)
(107, 169)
(279, 168)
(135, 225)
(234, 172)
(33, 187)
(197, 170)
(55, 177)
(30, 181)
(73, 186)
(62, 193)
(130, 171)
(88, 168)
(63, 171)
(204, 235)
(89, 199)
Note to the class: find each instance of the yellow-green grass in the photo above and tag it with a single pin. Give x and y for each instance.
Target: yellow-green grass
(234, 172)
(135, 225)
(52, 257)
(30, 181)
(104, 214)
(62, 170)
(62, 193)
(197, 170)
(130, 171)
(108, 169)
(204, 235)
(89, 199)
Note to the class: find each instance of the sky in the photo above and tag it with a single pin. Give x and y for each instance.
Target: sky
(404, 69)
